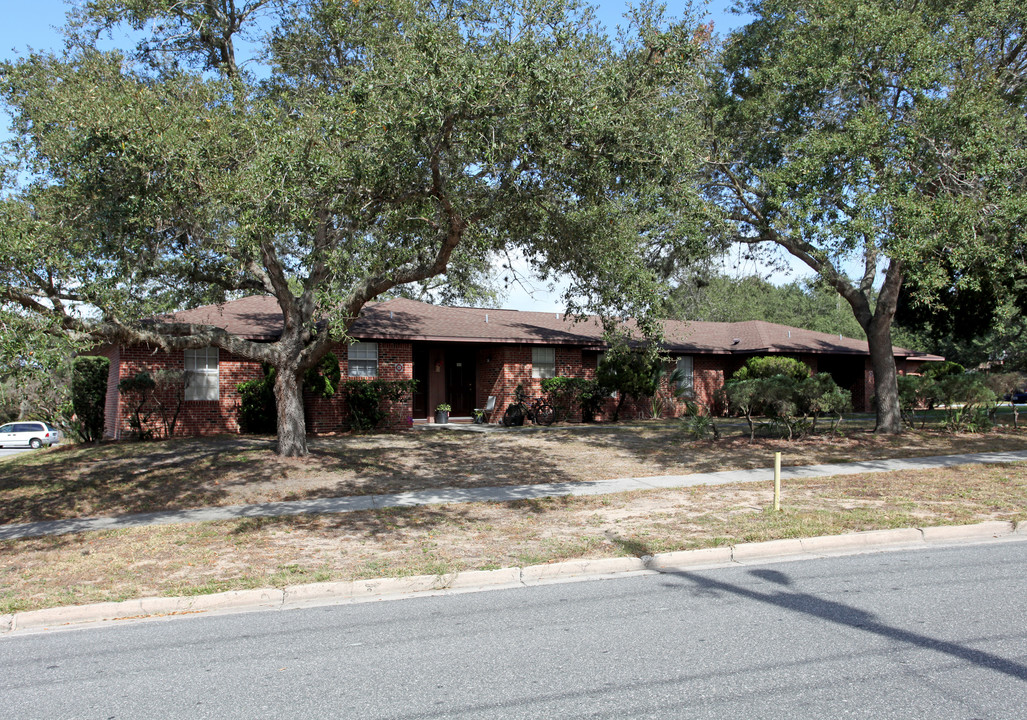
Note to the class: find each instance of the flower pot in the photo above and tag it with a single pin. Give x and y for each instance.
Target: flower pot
(442, 416)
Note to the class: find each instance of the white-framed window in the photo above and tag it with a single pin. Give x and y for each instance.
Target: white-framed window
(363, 359)
(543, 362)
(686, 384)
(201, 374)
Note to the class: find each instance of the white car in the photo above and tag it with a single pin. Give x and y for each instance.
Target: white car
(33, 434)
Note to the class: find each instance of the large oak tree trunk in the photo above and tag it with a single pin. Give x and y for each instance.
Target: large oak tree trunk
(292, 427)
(886, 388)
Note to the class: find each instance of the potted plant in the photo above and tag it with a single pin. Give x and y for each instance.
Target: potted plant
(442, 413)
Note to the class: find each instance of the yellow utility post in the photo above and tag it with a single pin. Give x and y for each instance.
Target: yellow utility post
(777, 481)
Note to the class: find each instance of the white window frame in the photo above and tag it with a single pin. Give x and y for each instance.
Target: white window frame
(362, 359)
(686, 386)
(202, 378)
(543, 362)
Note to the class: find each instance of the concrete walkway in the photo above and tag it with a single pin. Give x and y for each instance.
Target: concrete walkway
(498, 494)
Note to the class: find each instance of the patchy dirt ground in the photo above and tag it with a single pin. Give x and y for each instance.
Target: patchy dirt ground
(193, 472)
(210, 557)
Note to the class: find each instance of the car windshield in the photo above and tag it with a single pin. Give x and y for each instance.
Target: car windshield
(50, 427)
(7, 428)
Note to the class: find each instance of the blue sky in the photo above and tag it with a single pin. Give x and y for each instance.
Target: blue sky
(33, 25)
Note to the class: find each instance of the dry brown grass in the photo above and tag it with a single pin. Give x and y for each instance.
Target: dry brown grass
(209, 557)
(194, 472)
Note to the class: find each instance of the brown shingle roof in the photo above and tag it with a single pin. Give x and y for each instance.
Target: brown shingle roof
(258, 318)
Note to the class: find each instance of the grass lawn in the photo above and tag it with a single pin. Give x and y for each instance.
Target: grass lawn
(225, 555)
(128, 477)
(210, 557)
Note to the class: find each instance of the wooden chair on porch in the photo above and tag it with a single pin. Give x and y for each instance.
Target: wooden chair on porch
(481, 415)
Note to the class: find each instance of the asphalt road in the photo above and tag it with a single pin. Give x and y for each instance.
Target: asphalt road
(934, 633)
(4, 452)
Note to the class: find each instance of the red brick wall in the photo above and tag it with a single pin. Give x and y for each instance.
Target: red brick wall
(500, 368)
(197, 417)
(395, 362)
(211, 417)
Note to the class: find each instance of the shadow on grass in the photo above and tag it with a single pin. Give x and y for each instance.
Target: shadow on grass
(126, 477)
(185, 473)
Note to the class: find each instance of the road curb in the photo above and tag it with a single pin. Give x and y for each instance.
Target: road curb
(771, 548)
(690, 558)
(313, 594)
(867, 539)
(945, 533)
(534, 574)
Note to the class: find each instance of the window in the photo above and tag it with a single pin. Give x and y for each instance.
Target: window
(685, 382)
(201, 374)
(363, 359)
(543, 362)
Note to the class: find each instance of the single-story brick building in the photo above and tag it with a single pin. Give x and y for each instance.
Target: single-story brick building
(461, 356)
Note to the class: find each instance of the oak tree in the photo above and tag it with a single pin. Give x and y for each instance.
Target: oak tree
(876, 141)
(330, 151)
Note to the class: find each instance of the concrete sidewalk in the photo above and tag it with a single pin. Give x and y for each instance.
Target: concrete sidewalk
(497, 494)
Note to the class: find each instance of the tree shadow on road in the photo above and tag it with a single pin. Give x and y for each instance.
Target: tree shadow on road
(849, 616)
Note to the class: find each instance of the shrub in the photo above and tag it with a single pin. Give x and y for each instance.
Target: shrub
(258, 410)
(790, 403)
(821, 395)
(323, 379)
(968, 401)
(767, 366)
(137, 388)
(563, 394)
(1004, 385)
(937, 370)
(566, 393)
(592, 396)
(89, 394)
(631, 372)
(365, 398)
(699, 422)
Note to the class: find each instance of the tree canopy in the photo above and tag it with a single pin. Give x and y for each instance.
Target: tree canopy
(361, 146)
(878, 142)
(721, 298)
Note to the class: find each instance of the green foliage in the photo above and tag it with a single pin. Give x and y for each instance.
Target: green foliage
(567, 393)
(562, 393)
(821, 395)
(722, 298)
(137, 389)
(935, 371)
(366, 397)
(766, 366)
(323, 379)
(967, 397)
(443, 407)
(968, 401)
(790, 403)
(591, 398)
(629, 371)
(699, 423)
(89, 394)
(877, 136)
(258, 410)
(914, 395)
(353, 150)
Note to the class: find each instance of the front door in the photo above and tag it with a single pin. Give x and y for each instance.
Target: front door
(460, 380)
(422, 375)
